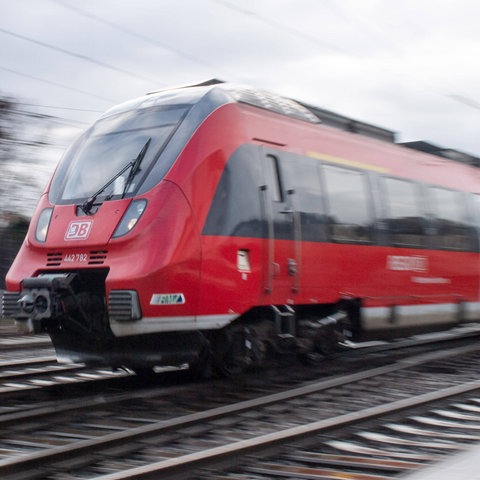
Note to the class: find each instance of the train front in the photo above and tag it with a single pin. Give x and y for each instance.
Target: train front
(111, 240)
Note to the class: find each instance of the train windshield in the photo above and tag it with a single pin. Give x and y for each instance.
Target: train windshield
(107, 148)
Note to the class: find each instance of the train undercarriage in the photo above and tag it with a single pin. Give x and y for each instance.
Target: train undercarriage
(71, 308)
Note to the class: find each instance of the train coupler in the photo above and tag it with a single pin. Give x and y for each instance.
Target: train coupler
(39, 295)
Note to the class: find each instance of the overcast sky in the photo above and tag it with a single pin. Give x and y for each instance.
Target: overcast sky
(409, 66)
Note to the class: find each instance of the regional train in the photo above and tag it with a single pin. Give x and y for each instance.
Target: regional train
(214, 224)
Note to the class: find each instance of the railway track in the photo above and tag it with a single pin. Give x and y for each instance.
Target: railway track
(34, 373)
(12, 343)
(379, 443)
(174, 434)
(29, 366)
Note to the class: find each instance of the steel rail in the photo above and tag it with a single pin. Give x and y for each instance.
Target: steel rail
(21, 383)
(19, 342)
(25, 363)
(50, 368)
(43, 411)
(33, 462)
(183, 466)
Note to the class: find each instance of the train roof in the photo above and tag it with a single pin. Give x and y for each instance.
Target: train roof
(336, 120)
(288, 107)
(449, 153)
(277, 103)
(231, 92)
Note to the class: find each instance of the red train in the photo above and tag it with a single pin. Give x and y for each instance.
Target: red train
(217, 222)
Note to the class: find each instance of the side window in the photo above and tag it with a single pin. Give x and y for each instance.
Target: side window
(301, 176)
(349, 205)
(235, 209)
(404, 212)
(453, 231)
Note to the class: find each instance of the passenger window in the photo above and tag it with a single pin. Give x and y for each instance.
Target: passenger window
(349, 205)
(453, 231)
(404, 213)
(301, 177)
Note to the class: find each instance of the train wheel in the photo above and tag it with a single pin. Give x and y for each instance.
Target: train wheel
(235, 358)
(204, 367)
(238, 349)
(326, 342)
(323, 343)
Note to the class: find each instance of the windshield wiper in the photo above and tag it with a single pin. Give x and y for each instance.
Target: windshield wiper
(135, 167)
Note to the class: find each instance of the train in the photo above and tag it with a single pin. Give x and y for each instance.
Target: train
(211, 225)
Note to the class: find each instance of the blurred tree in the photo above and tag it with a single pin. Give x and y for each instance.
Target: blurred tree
(12, 232)
(22, 135)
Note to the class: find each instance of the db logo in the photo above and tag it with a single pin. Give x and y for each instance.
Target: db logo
(78, 230)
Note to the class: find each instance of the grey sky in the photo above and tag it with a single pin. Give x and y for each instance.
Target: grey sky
(407, 66)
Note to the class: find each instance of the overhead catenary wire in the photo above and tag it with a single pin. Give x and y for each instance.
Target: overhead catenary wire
(281, 26)
(79, 55)
(358, 22)
(121, 28)
(43, 116)
(59, 108)
(56, 84)
(469, 102)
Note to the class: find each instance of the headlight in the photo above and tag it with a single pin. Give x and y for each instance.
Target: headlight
(43, 224)
(130, 218)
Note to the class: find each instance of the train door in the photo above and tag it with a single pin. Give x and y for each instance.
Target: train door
(282, 257)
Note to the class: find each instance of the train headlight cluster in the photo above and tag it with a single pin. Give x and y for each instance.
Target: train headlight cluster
(43, 224)
(130, 218)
